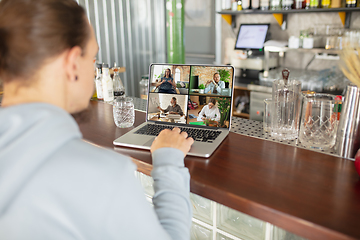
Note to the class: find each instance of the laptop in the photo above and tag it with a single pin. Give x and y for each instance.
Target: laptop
(187, 106)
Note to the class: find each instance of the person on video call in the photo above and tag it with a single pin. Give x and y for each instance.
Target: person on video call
(167, 83)
(173, 108)
(214, 85)
(209, 111)
(59, 186)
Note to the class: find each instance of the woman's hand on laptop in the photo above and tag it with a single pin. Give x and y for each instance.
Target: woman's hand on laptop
(173, 139)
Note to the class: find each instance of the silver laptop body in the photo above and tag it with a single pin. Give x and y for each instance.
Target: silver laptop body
(188, 78)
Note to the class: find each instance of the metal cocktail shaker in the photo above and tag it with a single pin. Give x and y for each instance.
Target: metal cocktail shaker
(348, 133)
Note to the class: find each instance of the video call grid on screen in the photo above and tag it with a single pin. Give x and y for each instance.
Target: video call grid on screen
(195, 86)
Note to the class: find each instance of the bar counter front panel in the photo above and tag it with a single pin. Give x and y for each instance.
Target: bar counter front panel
(313, 195)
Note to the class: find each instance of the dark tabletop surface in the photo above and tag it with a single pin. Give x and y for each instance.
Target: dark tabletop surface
(313, 195)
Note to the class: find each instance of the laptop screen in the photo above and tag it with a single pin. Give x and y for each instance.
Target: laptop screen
(190, 94)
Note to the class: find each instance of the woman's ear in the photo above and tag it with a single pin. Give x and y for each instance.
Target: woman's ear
(72, 64)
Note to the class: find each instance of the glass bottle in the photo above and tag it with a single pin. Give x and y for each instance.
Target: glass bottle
(234, 5)
(314, 3)
(226, 5)
(245, 4)
(275, 4)
(144, 83)
(94, 96)
(325, 3)
(287, 4)
(300, 4)
(118, 86)
(335, 3)
(98, 83)
(255, 4)
(350, 3)
(264, 4)
(303, 34)
(107, 84)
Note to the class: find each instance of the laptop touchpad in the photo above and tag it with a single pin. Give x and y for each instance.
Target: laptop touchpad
(148, 143)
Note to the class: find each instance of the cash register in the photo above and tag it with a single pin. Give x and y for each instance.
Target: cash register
(248, 58)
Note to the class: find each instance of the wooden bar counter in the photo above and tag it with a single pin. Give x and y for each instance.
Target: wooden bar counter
(313, 195)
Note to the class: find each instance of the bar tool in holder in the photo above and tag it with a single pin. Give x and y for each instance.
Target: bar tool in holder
(348, 133)
(286, 96)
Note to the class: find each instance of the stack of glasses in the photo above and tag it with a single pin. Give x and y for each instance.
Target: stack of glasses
(318, 114)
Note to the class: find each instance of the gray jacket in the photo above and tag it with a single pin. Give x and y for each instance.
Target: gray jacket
(53, 185)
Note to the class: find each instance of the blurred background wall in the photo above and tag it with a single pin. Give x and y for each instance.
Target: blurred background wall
(130, 33)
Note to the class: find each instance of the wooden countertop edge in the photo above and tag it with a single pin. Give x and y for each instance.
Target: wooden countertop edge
(288, 222)
(262, 212)
(142, 167)
(244, 202)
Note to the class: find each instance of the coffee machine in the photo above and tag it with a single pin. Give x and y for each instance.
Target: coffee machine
(248, 58)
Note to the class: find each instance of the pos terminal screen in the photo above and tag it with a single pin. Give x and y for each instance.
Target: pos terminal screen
(251, 36)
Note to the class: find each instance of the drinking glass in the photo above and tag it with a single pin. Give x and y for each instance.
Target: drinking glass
(123, 111)
(285, 119)
(319, 121)
(267, 114)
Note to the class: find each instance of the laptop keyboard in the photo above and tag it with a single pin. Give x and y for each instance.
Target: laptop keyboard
(199, 135)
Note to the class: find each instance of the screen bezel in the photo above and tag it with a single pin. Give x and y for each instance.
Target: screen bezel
(186, 124)
(251, 24)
